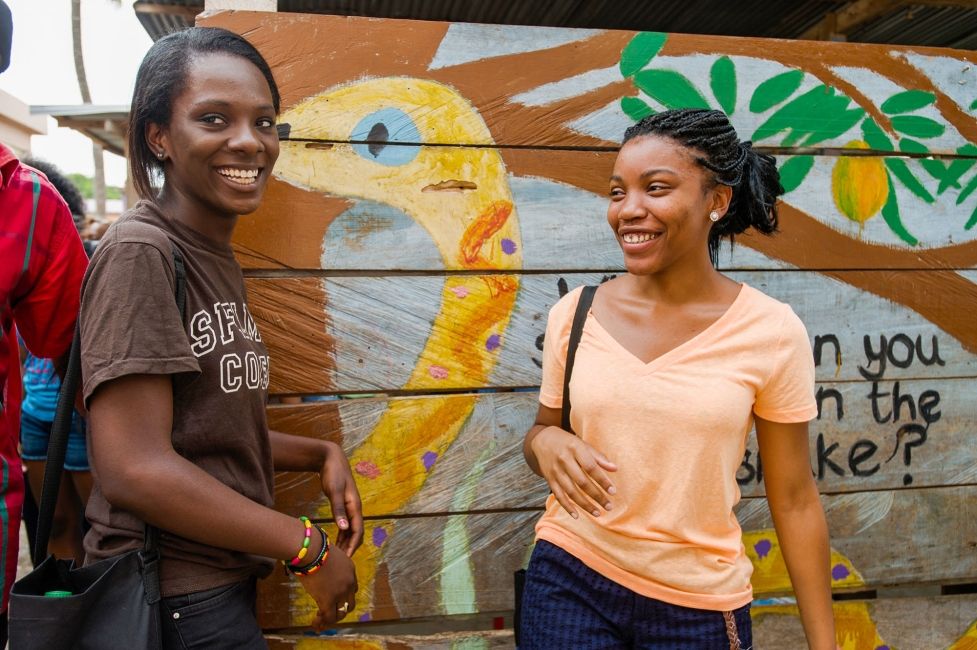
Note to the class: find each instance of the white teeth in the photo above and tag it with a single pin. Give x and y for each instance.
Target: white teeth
(239, 176)
(638, 237)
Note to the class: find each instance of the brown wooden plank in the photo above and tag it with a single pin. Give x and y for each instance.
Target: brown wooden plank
(533, 86)
(357, 215)
(461, 564)
(936, 623)
(945, 622)
(487, 640)
(852, 453)
(431, 333)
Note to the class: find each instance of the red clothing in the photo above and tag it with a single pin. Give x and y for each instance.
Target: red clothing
(40, 278)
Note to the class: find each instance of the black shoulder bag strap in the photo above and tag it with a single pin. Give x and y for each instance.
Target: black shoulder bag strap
(576, 331)
(58, 444)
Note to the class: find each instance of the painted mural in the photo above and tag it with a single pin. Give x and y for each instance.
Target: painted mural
(441, 185)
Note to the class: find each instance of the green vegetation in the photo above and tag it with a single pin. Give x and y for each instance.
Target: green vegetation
(84, 184)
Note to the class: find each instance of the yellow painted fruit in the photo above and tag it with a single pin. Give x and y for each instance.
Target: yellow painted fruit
(859, 184)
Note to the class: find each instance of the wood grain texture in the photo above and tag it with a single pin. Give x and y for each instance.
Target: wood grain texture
(323, 333)
(553, 87)
(488, 640)
(936, 623)
(851, 454)
(561, 202)
(459, 564)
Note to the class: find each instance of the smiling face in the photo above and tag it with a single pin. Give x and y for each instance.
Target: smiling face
(220, 144)
(660, 200)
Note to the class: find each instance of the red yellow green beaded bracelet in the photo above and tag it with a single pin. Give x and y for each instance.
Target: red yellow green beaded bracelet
(317, 563)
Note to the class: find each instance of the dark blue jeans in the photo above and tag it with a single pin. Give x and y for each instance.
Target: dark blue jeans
(566, 604)
(216, 619)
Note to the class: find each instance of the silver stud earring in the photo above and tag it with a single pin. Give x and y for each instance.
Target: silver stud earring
(713, 216)
(160, 154)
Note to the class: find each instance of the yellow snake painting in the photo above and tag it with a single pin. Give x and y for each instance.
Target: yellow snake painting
(461, 196)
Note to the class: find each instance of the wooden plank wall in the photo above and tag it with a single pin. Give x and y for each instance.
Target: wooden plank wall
(414, 272)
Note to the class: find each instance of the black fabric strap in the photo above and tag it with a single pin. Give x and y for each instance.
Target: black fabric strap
(576, 331)
(58, 445)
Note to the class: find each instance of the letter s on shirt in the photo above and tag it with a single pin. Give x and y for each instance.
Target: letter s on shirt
(202, 335)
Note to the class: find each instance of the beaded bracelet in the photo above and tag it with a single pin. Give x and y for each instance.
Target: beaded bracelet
(320, 559)
(305, 542)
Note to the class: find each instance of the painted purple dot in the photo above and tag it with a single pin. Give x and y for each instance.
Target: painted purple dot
(428, 459)
(493, 342)
(379, 536)
(762, 548)
(882, 647)
(839, 572)
(364, 617)
(508, 246)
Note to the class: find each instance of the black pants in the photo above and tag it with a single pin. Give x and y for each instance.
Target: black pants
(221, 618)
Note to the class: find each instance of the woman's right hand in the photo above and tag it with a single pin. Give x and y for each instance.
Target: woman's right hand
(575, 471)
(333, 588)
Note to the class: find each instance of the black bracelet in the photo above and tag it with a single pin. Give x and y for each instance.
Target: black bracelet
(315, 564)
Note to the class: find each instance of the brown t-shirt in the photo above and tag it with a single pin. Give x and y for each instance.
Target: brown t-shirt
(130, 324)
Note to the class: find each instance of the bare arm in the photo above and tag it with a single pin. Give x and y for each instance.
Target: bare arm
(575, 471)
(139, 471)
(302, 454)
(800, 523)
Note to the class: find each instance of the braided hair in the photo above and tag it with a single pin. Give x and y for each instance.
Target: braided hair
(753, 176)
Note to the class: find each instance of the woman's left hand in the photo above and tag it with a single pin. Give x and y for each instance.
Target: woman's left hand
(340, 488)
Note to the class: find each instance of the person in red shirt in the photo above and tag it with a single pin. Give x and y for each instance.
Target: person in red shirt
(42, 262)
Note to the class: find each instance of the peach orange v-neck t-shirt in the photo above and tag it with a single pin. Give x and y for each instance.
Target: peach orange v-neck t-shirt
(676, 428)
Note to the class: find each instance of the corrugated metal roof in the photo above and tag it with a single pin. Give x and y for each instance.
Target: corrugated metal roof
(944, 26)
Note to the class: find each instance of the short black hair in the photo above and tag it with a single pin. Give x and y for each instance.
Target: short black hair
(752, 175)
(161, 78)
(65, 187)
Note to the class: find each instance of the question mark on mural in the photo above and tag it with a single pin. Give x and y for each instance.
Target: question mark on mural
(907, 448)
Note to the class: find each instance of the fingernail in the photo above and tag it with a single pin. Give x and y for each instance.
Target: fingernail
(574, 515)
(343, 523)
(612, 490)
(607, 506)
(597, 513)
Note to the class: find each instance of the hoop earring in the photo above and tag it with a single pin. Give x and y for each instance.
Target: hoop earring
(714, 216)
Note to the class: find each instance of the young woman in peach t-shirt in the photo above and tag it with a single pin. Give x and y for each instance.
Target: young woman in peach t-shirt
(639, 546)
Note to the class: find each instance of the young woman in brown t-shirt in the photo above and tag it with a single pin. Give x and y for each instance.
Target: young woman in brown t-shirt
(178, 432)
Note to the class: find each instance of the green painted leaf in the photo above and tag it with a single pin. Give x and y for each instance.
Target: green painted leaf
(901, 170)
(967, 190)
(908, 101)
(973, 105)
(722, 80)
(917, 126)
(912, 146)
(669, 88)
(775, 90)
(934, 168)
(956, 169)
(817, 115)
(636, 108)
(794, 171)
(972, 221)
(874, 136)
(640, 51)
(890, 212)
